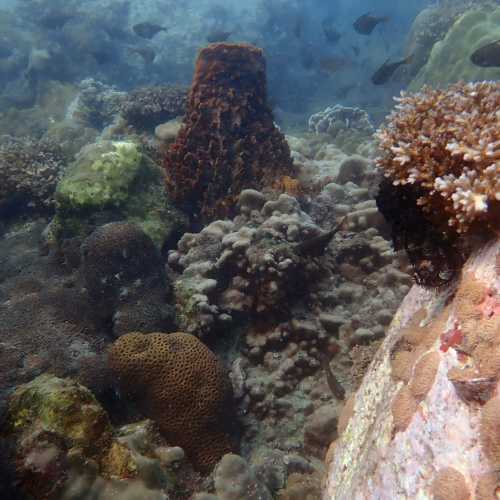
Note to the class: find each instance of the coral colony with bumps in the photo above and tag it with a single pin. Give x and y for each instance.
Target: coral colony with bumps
(228, 141)
(440, 151)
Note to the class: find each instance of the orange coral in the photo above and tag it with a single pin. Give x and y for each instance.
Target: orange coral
(446, 144)
(228, 141)
(180, 383)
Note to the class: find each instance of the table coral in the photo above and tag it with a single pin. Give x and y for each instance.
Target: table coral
(228, 141)
(182, 385)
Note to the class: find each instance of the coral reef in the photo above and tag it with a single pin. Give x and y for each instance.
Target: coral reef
(110, 181)
(228, 141)
(182, 385)
(449, 60)
(67, 448)
(348, 127)
(429, 398)
(29, 170)
(96, 105)
(439, 151)
(122, 271)
(262, 256)
(147, 107)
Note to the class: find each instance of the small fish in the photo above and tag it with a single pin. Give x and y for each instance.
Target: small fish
(147, 30)
(332, 64)
(316, 246)
(487, 56)
(331, 34)
(298, 27)
(55, 19)
(218, 36)
(147, 53)
(384, 73)
(355, 49)
(335, 386)
(366, 23)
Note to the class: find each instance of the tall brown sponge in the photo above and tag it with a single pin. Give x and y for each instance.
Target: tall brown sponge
(228, 141)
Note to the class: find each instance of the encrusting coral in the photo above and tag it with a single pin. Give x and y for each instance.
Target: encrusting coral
(228, 141)
(183, 387)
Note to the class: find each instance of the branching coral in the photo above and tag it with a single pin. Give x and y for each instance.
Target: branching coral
(446, 144)
(29, 170)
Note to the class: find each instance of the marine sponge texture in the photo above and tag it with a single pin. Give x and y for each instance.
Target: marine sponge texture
(446, 145)
(180, 383)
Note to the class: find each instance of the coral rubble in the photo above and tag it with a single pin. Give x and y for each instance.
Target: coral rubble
(228, 141)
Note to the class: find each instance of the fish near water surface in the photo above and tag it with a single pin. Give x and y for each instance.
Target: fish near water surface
(384, 73)
(218, 36)
(147, 30)
(366, 23)
(487, 56)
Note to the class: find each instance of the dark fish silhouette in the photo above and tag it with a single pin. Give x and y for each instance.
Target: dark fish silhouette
(384, 73)
(147, 53)
(147, 30)
(487, 56)
(298, 27)
(314, 247)
(332, 64)
(331, 34)
(55, 19)
(337, 390)
(355, 49)
(218, 36)
(366, 23)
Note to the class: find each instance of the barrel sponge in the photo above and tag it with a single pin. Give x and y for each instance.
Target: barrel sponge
(179, 383)
(490, 431)
(450, 483)
(424, 375)
(445, 145)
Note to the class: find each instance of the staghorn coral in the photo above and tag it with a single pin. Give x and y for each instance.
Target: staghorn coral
(147, 107)
(182, 385)
(228, 141)
(446, 145)
(30, 170)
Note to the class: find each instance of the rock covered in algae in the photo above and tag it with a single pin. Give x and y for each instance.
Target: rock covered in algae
(449, 60)
(424, 423)
(67, 448)
(114, 180)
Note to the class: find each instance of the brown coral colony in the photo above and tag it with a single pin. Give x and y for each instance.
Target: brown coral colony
(228, 141)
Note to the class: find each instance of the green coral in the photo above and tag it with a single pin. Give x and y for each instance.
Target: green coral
(114, 181)
(449, 61)
(100, 179)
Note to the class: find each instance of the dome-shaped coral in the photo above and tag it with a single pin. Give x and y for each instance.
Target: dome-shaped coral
(180, 383)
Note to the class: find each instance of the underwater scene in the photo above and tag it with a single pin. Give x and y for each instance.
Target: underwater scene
(249, 250)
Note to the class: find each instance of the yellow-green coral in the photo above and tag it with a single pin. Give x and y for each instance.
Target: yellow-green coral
(100, 180)
(449, 61)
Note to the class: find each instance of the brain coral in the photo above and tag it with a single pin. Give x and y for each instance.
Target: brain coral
(180, 383)
(449, 60)
(445, 145)
(228, 141)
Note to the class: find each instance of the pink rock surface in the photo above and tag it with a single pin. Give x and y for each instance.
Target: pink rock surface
(442, 451)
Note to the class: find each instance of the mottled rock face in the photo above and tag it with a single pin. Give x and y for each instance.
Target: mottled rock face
(228, 141)
(425, 421)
